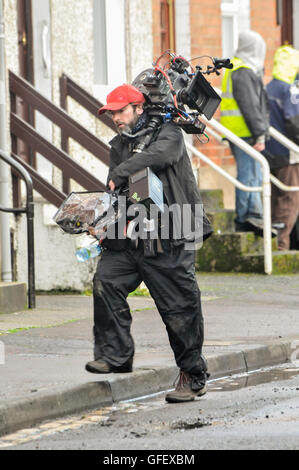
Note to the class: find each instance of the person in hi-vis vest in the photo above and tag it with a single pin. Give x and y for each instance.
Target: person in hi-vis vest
(244, 111)
(283, 98)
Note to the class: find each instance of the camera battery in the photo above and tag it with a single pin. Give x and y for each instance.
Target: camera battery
(146, 188)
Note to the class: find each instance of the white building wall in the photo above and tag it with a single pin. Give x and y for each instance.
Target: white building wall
(72, 52)
(11, 62)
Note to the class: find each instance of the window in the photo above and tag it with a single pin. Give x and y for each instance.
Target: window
(100, 43)
(229, 11)
(109, 46)
(235, 18)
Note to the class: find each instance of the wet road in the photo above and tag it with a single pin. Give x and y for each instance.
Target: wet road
(259, 410)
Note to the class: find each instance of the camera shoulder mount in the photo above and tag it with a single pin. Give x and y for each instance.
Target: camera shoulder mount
(179, 93)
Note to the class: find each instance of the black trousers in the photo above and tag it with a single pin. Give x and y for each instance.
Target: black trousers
(170, 278)
(285, 204)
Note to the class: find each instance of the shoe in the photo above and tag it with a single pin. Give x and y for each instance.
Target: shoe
(255, 225)
(258, 227)
(243, 227)
(99, 366)
(183, 391)
(278, 225)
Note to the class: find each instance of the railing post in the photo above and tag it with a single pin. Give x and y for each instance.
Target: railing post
(30, 229)
(30, 249)
(266, 189)
(266, 196)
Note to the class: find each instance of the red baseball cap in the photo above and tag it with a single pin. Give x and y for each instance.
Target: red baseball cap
(121, 97)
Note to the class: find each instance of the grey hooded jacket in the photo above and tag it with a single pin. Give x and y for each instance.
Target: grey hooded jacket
(248, 87)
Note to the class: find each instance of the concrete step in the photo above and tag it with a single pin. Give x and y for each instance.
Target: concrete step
(12, 297)
(243, 252)
(235, 242)
(227, 252)
(230, 251)
(212, 199)
(284, 262)
(222, 220)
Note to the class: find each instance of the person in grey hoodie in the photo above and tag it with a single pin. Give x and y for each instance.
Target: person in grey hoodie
(244, 111)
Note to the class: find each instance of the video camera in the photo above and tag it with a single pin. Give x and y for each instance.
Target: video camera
(169, 90)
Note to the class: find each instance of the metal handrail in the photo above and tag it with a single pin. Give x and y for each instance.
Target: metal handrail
(280, 138)
(29, 210)
(283, 139)
(265, 189)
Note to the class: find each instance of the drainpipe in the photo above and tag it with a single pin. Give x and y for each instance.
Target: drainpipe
(6, 271)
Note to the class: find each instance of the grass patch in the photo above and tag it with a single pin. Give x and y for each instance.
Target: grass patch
(16, 330)
(142, 309)
(87, 292)
(26, 328)
(58, 292)
(140, 292)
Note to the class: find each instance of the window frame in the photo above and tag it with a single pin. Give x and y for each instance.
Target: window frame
(231, 10)
(115, 51)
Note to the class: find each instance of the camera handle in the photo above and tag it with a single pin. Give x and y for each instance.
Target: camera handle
(153, 124)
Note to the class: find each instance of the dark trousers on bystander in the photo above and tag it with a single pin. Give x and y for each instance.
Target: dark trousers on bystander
(285, 204)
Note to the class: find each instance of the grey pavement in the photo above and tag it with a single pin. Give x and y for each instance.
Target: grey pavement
(251, 321)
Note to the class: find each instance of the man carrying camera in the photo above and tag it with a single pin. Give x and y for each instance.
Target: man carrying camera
(169, 272)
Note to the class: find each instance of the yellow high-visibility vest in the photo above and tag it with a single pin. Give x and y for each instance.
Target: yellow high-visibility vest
(231, 116)
(286, 64)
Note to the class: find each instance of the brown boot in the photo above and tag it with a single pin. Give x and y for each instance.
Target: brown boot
(99, 366)
(183, 391)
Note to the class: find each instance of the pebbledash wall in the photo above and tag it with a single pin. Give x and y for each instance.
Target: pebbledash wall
(73, 49)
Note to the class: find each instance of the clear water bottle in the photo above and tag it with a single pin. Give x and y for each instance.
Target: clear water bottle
(87, 252)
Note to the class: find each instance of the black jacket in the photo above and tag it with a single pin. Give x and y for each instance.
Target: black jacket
(168, 159)
(284, 116)
(250, 94)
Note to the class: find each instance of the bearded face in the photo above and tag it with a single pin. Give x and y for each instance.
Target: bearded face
(125, 119)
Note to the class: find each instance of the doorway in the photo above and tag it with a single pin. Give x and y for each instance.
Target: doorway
(25, 53)
(285, 19)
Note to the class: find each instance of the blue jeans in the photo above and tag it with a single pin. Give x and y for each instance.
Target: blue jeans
(249, 172)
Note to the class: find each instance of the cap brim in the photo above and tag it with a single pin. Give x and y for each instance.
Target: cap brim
(112, 107)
